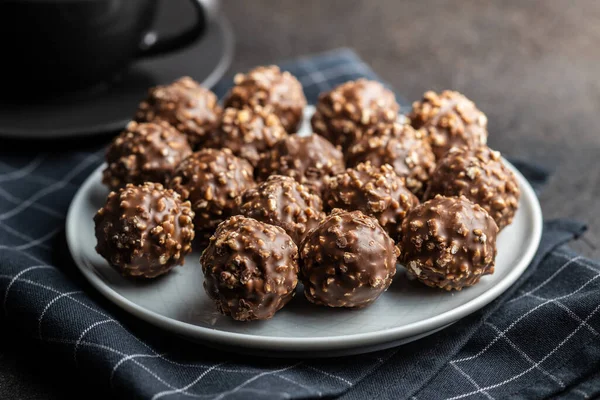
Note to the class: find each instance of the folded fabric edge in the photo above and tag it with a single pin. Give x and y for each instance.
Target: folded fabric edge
(574, 227)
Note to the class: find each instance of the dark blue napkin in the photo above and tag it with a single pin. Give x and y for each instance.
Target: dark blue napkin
(539, 339)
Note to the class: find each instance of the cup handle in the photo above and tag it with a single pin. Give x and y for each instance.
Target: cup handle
(206, 12)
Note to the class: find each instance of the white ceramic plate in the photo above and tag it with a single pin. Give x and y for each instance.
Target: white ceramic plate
(407, 311)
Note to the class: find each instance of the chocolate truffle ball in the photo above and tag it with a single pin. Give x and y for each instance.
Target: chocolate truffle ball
(347, 261)
(480, 175)
(346, 112)
(270, 87)
(144, 231)
(145, 152)
(211, 179)
(399, 145)
(186, 105)
(247, 132)
(283, 202)
(250, 268)
(449, 119)
(448, 242)
(376, 191)
(308, 159)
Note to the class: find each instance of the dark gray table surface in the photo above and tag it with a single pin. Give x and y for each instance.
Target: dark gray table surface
(531, 66)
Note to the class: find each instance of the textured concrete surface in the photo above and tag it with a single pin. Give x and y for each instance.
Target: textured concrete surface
(532, 66)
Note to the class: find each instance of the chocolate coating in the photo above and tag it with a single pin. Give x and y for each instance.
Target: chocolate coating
(144, 231)
(480, 175)
(269, 87)
(347, 261)
(247, 132)
(283, 202)
(144, 152)
(448, 242)
(186, 105)
(308, 159)
(449, 119)
(376, 191)
(404, 148)
(211, 179)
(250, 268)
(343, 114)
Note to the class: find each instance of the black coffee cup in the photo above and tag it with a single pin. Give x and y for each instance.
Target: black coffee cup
(64, 45)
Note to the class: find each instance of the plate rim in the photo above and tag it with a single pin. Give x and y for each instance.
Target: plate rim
(325, 343)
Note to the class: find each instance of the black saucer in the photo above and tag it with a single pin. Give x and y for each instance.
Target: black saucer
(108, 108)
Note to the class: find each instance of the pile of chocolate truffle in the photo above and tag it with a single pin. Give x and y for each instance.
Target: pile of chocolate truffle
(335, 210)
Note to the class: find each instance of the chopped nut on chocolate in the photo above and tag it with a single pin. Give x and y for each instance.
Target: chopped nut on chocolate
(448, 242)
(250, 268)
(283, 202)
(186, 105)
(270, 87)
(308, 159)
(376, 191)
(247, 132)
(146, 152)
(480, 175)
(347, 261)
(211, 180)
(144, 231)
(449, 119)
(346, 112)
(399, 145)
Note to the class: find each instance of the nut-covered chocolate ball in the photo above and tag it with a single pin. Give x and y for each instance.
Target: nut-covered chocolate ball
(283, 202)
(480, 175)
(270, 87)
(144, 152)
(401, 146)
(186, 105)
(449, 119)
(247, 132)
(144, 231)
(308, 159)
(250, 268)
(376, 191)
(347, 261)
(211, 179)
(346, 112)
(448, 242)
